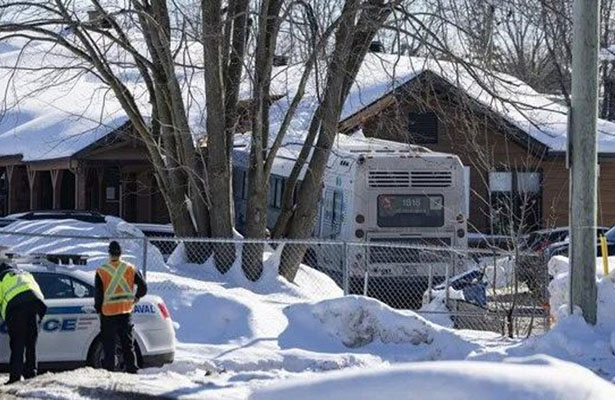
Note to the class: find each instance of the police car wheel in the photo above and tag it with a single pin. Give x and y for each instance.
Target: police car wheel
(96, 355)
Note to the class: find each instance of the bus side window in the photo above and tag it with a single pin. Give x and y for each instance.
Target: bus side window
(336, 215)
(244, 188)
(276, 189)
(238, 175)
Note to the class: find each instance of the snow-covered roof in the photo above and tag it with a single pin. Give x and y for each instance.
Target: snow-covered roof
(533, 113)
(53, 106)
(47, 115)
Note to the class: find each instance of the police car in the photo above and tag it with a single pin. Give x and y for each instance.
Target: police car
(69, 335)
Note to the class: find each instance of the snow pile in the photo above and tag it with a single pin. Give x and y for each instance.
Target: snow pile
(81, 238)
(571, 338)
(237, 337)
(539, 378)
(559, 292)
(364, 325)
(309, 284)
(358, 321)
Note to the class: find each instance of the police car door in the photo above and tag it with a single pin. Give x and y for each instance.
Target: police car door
(71, 322)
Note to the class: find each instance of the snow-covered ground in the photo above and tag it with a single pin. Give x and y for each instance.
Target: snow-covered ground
(273, 339)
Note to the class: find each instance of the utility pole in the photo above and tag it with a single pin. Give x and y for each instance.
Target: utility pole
(582, 157)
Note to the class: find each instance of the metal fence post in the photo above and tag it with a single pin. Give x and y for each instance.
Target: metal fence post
(145, 243)
(430, 282)
(447, 274)
(345, 271)
(366, 253)
(546, 301)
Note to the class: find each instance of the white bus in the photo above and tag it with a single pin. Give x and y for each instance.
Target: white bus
(375, 191)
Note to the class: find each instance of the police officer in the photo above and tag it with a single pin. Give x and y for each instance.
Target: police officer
(114, 300)
(22, 308)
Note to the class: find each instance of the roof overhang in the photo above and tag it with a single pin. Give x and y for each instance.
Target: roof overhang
(511, 131)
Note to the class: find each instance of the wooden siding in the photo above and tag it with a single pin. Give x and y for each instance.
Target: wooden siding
(484, 142)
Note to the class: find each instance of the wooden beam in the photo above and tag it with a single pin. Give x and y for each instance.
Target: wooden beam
(47, 165)
(81, 174)
(56, 175)
(9, 187)
(6, 161)
(102, 197)
(31, 181)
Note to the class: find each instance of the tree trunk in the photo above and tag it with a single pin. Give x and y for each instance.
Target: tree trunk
(258, 182)
(352, 41)
(218, 163)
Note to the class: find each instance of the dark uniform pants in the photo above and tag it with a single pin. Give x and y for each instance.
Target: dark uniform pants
(113, 328)
(22, 323)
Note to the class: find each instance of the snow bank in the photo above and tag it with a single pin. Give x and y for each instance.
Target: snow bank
(357, 321)
(309, 283)
(559, 292)
(571, 338)
(364, 325)
(82, 238)
(539, 378)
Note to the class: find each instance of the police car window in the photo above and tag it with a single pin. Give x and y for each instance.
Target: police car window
(55, 286)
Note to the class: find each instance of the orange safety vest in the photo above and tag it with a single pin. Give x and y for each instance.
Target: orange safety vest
(118, 279)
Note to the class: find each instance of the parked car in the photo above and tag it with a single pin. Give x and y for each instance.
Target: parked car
(69, 336)
(485, 241)
(541, 239)
(533, 268)
(561, 248)
(158, 233)
(85, 216)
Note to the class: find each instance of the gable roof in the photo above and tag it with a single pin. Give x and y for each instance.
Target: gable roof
(540, 117)
(54, 107)
(46, 115)
(51, 118)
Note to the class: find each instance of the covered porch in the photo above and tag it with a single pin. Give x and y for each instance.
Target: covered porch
(113, 177)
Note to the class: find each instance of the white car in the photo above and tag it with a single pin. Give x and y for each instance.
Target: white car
(70, 332)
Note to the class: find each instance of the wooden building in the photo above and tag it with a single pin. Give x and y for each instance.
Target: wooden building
(512, 142)
(112, 175)
(511, 139)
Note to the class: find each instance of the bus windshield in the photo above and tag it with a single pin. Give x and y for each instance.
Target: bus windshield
(410, 210)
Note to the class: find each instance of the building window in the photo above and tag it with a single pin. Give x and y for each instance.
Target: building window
(516, 201)
(423, 128)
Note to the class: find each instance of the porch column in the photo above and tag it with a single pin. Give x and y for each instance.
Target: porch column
(9, 188)
(102, 196)
(56, 179)
(81, 175)
(31, 181)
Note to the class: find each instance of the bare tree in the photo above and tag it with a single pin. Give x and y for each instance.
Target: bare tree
(359, 23)
(161, 52)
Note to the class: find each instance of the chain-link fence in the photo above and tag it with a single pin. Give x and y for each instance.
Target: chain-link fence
(492, 290)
